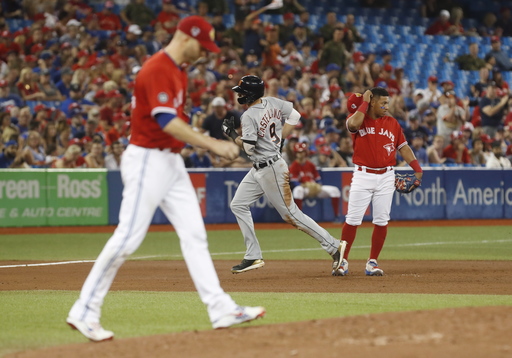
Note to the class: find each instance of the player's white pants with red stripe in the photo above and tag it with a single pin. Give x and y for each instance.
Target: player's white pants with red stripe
(154, 178)
(375, 188)
(274, 183)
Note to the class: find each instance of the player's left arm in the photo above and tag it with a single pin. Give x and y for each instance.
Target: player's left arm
(408, 155)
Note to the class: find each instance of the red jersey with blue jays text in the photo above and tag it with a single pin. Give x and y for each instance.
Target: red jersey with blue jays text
(377, 141)
(303, 173)
(160, 87)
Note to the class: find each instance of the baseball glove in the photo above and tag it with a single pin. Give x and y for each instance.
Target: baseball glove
(405, 183)
(313, 188)
(228, 127)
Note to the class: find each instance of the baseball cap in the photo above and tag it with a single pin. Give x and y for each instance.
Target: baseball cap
(45, 55)
(448, 82)
(320, 141)
(134, 29)
(334, 88)
(120, 116)
(114, 94)
(65, 45)
(444, 13)
(449, 93)
(75, 87)
(325, 150)
(495, 39)
(418, 92)
(100, 94)
(198, 28)
(109, 4)
(218, 101)
(388, 68)
(300, 147)
(354, 101)
(432, 79)
(30, 58)
(39, 107)
(332, 67)
(73, 22)
(288, 16)
(4, 83)
(358, 57)
(10, 142)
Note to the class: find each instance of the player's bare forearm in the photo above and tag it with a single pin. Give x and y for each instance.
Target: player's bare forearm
(287, 129)
(355, 121)
(408, 155)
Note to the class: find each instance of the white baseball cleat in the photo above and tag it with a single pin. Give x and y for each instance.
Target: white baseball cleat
(91, 330)
(343, 270)
(338, 258)
(373, 269)
(241, 315)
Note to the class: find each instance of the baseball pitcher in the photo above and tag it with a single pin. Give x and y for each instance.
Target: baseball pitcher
(264, 125)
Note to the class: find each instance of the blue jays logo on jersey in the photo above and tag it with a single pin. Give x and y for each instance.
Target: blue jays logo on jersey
(390, 148)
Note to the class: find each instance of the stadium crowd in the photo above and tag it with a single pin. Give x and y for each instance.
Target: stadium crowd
(66, 80)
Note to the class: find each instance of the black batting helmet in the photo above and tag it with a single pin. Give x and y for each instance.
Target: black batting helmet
(249, 89)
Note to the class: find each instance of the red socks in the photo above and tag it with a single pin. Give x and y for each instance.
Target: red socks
(378, 238)
(336, 206)
(348, 233)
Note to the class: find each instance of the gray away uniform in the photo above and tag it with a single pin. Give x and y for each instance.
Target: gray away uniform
(263, 123)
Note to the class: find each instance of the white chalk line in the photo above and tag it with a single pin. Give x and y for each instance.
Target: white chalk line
(267, 251)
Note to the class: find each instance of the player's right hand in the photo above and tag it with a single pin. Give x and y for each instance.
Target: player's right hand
(228, 150)
(367, 96)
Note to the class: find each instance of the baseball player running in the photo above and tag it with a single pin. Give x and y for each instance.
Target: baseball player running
(154, 175)
(376, 138)
(264, 125)
(306, 182)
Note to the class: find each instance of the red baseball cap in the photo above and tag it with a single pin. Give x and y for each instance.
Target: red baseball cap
(300, 147)
(320, 141)
(432, 79)
(39, 107)
(36, 48)
(4, 83)
(198, 28)
(120, 116)
(114, 94)
(354, 101)
(358, 57)
(30, 58)
(495, 39)
(325, 150)
(100, 94)
(388, 68)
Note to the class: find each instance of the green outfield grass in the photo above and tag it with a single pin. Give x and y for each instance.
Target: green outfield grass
(403, 243)
(37, 318)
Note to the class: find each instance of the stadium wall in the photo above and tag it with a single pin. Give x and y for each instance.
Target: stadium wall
(92, 197)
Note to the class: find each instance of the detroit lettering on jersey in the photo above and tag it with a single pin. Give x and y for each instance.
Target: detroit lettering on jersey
(269, 117)
(377, 141)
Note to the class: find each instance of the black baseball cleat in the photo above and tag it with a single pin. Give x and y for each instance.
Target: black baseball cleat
(247, 265)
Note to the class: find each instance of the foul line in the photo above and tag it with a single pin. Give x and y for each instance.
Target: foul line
(264, 251)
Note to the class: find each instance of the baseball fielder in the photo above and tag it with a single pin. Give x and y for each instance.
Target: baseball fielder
(306, 182)
(154, 176)
(264, 125)
(376, 138)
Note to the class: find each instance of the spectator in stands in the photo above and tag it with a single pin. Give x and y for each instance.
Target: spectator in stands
(327, 31)
(48, 87)
(216, 6)
(415, 129)
(9, 154)
(287, 28)
(71, 35)
(450, 116)
(75, 96)
(478, 89)
(12, 9)
(504, 23)
(200, 158)
(137, 12)
(168, 18)
(502, 59)
(7, 129)
(213, 122)
(385, 80)
(24, 118)
(271, 48)
(6, 97)
(108, 20)
(488, 27)
(117, 130)
(501, 84)
(201, 71)
(72, 158)
(456, 152)
(96, 158)
(432, 93)
(359, 76)
(496, 158)
(492, 109)
(66, 75)
(441, 26)
(334, 51)
(253, 34)
(470, 61)
(28, 87)
(113, 159)
(34, 153)
(476, 153)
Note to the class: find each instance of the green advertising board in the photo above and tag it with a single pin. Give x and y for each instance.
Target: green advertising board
(53, 197)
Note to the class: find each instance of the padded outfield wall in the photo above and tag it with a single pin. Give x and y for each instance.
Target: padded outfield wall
(92, 197)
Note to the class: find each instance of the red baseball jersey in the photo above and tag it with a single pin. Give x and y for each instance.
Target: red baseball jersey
(376, 142)
(303, 173)
(160, 87)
